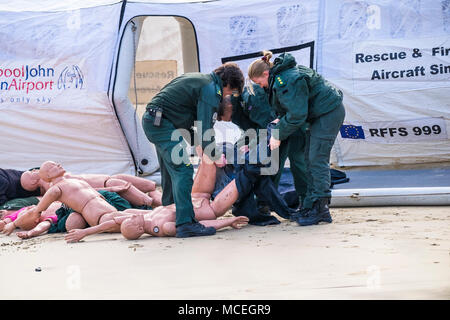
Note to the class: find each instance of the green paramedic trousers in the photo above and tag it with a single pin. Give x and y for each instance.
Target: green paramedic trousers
(294, 148)
(319, 141)
(176, 178)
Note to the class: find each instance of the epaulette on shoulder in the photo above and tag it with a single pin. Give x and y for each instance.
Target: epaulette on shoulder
(218, 91)
(280, 81)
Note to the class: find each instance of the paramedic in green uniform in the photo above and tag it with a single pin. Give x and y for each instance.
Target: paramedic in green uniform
(251, 110)
(299, 95)
(187, 98)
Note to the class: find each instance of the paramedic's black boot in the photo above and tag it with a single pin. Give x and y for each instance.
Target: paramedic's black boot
(320, 212)
(299, 213)
(194, 229)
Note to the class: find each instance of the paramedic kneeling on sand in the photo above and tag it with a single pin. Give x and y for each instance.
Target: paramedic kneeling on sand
(187, 98)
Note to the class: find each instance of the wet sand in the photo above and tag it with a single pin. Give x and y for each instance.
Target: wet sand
(366, 253)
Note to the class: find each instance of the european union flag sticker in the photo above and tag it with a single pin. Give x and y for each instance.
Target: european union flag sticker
(352, 132)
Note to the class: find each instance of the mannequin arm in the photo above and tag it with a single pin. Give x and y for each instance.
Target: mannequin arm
(169, 228)
(129, 192)
(36, 231)
(113, 225)
(75, 235)
(25, 217)
(49, 197)
(234, 222)
(4, 222)
(116, 189)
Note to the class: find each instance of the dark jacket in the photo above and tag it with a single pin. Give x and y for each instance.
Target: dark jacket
(10, 187)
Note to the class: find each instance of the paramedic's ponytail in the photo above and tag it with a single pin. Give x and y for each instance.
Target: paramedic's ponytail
(260, 65)
(257, 68)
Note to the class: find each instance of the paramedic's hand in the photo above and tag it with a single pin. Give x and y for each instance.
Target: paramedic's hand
(9, 228)
(75, 235)
(199, 151)
(276, 120)
(274, 143)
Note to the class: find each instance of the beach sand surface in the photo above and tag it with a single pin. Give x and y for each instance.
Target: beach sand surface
(366, 253)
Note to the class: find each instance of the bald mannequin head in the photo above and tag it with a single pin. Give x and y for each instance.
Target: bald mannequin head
(133, 227)
(50, 170)
(30, 180)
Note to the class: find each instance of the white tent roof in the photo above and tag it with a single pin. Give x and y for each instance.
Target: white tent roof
(72, 48)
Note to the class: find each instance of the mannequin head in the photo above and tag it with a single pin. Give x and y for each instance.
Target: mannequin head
(51, 170)
(133, 227)
(30, 180)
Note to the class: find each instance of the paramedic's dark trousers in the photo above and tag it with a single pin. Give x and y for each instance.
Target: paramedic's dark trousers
(294, 148)
(319, 141)
(176, 178)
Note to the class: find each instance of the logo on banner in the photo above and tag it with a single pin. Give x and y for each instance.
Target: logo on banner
(353, 18)
(71, 77)
(445, 5)
(406, 19)
(18, 83)
(352, 132)
(427, 129)
(289, 24)
(243, 28)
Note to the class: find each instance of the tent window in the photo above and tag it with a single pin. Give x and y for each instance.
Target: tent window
(166, 47)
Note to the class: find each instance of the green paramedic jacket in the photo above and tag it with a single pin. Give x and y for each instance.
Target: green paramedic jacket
(252, 111)
(299, 94)
(188, 98)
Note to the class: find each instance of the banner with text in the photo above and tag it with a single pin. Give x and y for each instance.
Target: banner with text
(395, 65)
(391, 59)
(407, 131)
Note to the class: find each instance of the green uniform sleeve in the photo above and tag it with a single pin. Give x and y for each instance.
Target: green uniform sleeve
(261, 112)
(293, 97)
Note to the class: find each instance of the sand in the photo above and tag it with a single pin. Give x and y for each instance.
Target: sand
(366, 253)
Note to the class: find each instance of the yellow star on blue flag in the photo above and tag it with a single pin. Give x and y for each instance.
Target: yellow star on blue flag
(352, 132)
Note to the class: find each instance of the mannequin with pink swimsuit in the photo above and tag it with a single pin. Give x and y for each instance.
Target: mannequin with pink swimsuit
(38, 219)
(76, 194)
(22, 219)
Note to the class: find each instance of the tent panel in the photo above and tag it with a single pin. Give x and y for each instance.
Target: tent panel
(54, 75)
(389, 59)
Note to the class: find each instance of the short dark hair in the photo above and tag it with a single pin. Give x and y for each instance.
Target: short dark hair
(232, 75)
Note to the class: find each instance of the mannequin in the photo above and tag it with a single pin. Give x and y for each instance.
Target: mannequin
(160, 222)
(74, 193)
(138, 191)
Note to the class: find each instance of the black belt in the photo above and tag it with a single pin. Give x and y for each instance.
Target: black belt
(152, 111)
(157, 114)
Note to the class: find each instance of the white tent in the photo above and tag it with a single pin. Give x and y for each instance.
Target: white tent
(65, 70)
